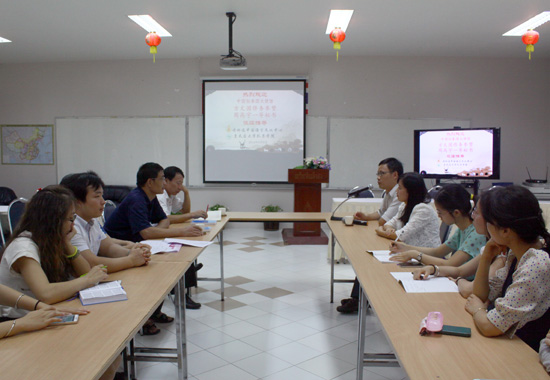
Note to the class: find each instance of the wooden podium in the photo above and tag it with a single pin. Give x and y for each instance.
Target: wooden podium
(307, 198)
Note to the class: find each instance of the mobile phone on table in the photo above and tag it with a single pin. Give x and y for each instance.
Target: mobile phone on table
(456, 330)
(67, 319)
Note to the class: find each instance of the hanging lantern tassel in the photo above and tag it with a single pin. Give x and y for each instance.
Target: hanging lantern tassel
(153, 40)
(530, 38)
(337, 36)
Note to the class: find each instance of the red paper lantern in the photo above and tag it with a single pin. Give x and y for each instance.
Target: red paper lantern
(153, 40)
(337, 36)
(530, 38)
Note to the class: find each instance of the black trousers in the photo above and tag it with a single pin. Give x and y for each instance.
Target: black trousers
(190, 281)
(355, 289)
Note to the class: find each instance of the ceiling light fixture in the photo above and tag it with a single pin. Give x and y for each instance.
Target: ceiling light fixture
(339, 18)
(532, 23)
(4, 40)
(150, 24)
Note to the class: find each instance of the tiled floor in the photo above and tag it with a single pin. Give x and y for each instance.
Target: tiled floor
(276, 322)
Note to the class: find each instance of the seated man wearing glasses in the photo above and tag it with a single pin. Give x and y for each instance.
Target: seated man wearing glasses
(389, 171)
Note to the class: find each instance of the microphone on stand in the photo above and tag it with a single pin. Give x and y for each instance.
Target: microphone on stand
(353, 193)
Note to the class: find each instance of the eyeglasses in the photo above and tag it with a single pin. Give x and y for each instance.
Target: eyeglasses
(72, 218)
(474, 211)
(381, 173)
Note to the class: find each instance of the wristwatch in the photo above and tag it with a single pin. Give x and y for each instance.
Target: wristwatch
(419, 257)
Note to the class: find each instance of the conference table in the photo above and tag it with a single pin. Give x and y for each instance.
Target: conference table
(400, 313)
(84, 350)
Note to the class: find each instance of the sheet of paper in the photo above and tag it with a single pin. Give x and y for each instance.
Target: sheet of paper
(158, 246)
(382, 256)
(201, 221)
(192, 243)
(431, 285)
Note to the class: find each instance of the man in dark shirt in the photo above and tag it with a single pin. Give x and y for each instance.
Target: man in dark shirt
(140, 217)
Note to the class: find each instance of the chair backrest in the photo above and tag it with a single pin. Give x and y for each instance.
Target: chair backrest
(116, 193)
(2, 237)
(366, 194)
(110, 206)
(15, 212)
(444, 232)
(434, 190)
(7, 196)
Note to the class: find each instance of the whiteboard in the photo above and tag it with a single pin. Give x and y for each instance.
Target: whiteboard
(116, 147)
(193, 174)
(357, 145)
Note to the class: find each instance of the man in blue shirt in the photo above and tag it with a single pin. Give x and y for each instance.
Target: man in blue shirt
(140, 217)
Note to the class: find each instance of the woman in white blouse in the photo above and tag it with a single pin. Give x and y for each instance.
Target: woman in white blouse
(416, 222)
(516, 301)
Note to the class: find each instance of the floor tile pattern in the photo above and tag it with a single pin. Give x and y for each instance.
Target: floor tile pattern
(276, 322)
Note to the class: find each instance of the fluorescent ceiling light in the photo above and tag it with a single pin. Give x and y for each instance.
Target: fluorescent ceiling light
(150, 25)
(339, 18)
(532, 23)
(3, 40)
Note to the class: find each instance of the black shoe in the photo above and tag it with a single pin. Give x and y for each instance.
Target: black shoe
(190, 304)
(198, 267)
(349, 307)
(345, 301)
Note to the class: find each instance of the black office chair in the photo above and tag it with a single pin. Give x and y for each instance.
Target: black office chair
(434, 190)
(7, 196)
(444, 231)
(2, 237)
(110, 206)
(15, 212)
(116, 193)
(366, 194)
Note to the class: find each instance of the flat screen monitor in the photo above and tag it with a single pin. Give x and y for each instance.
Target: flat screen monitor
(457, 153)
(254, 130)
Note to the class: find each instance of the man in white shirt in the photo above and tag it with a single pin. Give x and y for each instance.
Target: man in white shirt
(94, 245)
(176, 203)
(389, 171)
(175, 200)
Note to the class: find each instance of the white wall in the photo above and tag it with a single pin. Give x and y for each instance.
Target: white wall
(509, 93)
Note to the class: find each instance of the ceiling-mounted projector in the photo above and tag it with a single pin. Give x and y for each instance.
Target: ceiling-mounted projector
(234, 60)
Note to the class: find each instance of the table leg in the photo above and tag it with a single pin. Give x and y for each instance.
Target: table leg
(363, 305)
(125, 362)
(332, 244)
(220, 240)
(132, 375)
(181, 339)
